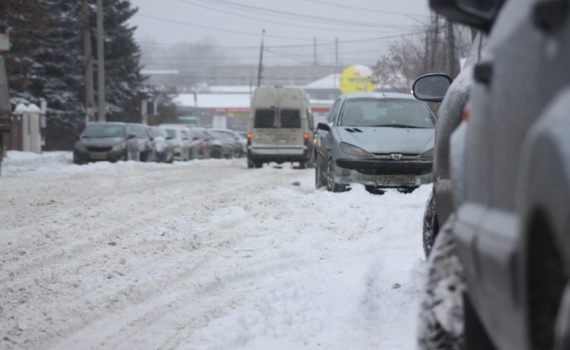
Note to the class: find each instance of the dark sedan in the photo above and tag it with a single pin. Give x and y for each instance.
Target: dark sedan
(106, 141)
(220, 147)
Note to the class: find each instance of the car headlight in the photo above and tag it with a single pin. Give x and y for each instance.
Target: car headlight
(354, 151)
(80, 147)
(119, 147)
(428, 154)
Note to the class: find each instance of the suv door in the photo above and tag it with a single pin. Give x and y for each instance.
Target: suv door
(290, 130)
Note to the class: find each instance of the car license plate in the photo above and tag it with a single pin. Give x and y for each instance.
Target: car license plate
(395, 179)
(98, 155)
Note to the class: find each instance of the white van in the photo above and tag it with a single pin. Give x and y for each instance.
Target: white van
(280, 127)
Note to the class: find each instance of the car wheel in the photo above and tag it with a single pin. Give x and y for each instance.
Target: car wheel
(441, 318)
(430, 225)
(216, 153)
(320, 180)
(332, 186)
(302, 165)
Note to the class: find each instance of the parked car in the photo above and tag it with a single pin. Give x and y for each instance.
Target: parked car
(280, 128)
(203, 142)
(106, 141)
(144, 141)
(240, 142)
(499, 272)
(162, 145)
(375, 139)
(180, 137)
(430, 88)
(219, 146)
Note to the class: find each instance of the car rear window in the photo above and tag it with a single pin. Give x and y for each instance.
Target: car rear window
(290, 118)
(264, 118)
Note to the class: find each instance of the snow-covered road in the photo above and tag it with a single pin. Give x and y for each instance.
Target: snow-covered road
(202, 255)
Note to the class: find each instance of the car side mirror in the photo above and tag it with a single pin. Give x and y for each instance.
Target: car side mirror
(168, 138)
(131, 136)
(476, 14)
(323, 126)
(431, 87)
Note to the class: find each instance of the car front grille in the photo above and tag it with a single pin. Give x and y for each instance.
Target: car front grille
(98, 149)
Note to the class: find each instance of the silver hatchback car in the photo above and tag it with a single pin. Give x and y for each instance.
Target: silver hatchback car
(380, 140)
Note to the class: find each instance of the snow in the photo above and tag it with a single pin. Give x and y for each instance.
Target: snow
(202, 255)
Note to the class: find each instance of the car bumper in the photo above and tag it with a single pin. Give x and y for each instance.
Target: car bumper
(265, 155)
(384, 173)
(86, 156)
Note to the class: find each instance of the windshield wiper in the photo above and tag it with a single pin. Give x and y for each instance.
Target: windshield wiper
(399, 126)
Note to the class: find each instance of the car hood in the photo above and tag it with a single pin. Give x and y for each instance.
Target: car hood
(101, 141)
(388, 140)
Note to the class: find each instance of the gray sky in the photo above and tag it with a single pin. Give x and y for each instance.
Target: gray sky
(364, 28)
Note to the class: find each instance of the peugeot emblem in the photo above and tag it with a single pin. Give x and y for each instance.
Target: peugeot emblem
(396, 156)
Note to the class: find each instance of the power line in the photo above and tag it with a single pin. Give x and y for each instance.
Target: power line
(291, 15)
(278, 23)
(362, 9)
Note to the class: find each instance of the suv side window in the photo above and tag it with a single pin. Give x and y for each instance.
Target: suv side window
(310, 121)
(334, 111)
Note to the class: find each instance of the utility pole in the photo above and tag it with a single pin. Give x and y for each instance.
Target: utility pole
(336, 50)
(434, 41)
(89, 97)
(260, 69)
(100, 62)
(315, 52)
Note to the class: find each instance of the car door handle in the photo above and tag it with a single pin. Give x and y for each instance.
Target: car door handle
(550, 15)
(483, 72)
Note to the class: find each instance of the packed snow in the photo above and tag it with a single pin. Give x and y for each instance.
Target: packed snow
(202, 255)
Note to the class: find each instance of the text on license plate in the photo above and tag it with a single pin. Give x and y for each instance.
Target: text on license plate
(395, 179)
(98, 155)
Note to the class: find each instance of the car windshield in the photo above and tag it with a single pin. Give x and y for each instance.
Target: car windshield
(140, 131)
(386, 113)
(171, 133)
(104, 131)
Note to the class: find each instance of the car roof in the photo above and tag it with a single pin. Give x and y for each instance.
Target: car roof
(379, 95)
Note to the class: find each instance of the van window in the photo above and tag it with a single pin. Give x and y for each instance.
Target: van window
(264, 118)
(310, 121)
(290, 118)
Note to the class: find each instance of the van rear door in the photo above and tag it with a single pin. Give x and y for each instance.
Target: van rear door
(265, 129)
(290, 132)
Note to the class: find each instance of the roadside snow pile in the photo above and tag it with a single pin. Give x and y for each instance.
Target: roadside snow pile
(205, 255)
(17, 162)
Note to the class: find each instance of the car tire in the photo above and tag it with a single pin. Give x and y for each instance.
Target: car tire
(441, 318)
(430, 225)
(332, 186)
(302, 165)
(216, 153)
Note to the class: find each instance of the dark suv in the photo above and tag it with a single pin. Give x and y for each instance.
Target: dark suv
(499, 270)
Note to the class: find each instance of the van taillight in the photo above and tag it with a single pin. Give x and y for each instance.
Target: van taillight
(306, 139)
(249, 139)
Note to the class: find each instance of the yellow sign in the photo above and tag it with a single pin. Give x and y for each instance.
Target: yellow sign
(356, 78)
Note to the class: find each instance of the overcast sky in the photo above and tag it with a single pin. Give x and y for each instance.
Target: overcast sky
(364, 28)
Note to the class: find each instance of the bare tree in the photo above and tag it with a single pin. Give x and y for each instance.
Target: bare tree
(436, 50)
